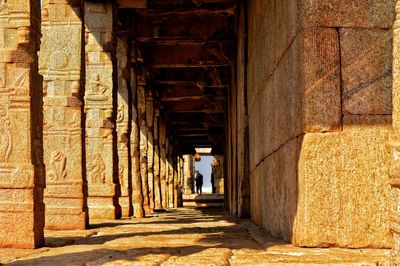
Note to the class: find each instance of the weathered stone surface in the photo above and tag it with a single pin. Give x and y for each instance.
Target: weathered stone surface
(191, 237)
(344, 186)
(150, 146)
(188, 183)
(394, 144)
(163, 165)
(282, 105)
(60, 65)
(21, 140)
(157, 157)
(336, 13)
(366, 56)
(123, 127)
(102, 164)
(141, 94)
(275, 191)
(217, 168)
(137, 196)
(321, 80)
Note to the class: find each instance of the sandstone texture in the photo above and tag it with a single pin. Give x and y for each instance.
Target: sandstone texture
(337, 13)
(21, 126)
(344, 186)
(366, 57)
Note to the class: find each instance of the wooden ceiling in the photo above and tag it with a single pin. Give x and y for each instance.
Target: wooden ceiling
(188, 49)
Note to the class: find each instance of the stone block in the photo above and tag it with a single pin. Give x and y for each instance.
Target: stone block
(321, 80)
(344, 191)
(355, 14)
(366, 71)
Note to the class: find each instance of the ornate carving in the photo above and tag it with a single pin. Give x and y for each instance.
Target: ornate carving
(96, 91)
(97, 170)
(121, 170)
(5, 135)
(120, 114)
(21, 83)
(58, 164)
(59, 60)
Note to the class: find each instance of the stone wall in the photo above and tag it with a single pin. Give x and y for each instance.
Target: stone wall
(319, 97)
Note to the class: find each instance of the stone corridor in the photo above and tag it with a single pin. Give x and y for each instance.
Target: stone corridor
(185, 236)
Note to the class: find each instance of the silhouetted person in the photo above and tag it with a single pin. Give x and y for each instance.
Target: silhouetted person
(199, 182)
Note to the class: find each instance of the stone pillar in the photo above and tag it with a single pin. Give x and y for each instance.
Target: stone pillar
(170, 176)
(176, 178)
(143, 144)
(101, 159)
(123, 127)
(157, 185)
(150, 145)
(217, 166)
(163, 164)
(21, 146)
(394, 171)
(60, 64)
(188, 174)
(137, 197)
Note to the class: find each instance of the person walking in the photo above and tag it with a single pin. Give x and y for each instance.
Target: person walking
(199, 182)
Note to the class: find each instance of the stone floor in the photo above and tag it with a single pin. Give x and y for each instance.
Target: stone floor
(181, 237)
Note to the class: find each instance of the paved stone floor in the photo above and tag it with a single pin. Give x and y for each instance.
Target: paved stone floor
(181, 237)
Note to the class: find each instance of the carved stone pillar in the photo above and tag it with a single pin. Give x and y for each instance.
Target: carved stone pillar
(170, 177)
(21, 146)
(143, 144)
(163, 164)
(101, 159)
(123, 127)
(217, 167)
(395, 141)
(137, 197)
(60, 65)
(188, 174)
(150, 145)
(157, 185)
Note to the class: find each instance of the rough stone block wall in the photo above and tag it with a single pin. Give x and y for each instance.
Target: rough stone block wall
(319, 92)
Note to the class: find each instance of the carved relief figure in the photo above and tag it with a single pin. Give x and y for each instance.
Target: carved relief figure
(121, 170)
(97, 170)
(96, 90)
(120, 114)
(5, 136)
(58, 165)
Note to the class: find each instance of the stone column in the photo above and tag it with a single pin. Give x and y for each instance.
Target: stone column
(163, 164)
(157, 185)
(101, 159)
(137, 197)
(394, 172)
(60, 64)
(21, 146)
(170, 169)
(143, 144)
(188, 174)
(150, 145)
(217, 166)
(123, 127)
(176, 178)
